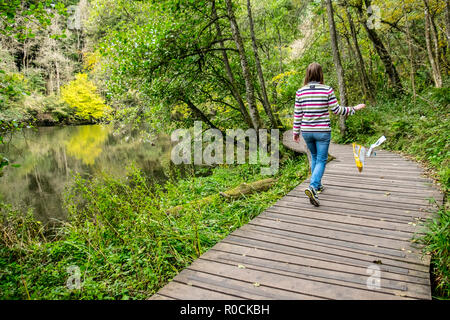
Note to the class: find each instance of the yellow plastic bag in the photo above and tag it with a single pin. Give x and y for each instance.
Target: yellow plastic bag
(359, 153)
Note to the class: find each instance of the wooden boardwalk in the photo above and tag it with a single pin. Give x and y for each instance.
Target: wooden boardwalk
(296, 251)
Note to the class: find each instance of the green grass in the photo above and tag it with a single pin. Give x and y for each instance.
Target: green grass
(120, 237)
(437, 243)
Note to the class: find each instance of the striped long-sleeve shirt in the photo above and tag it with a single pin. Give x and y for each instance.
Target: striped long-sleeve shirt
(312, 105)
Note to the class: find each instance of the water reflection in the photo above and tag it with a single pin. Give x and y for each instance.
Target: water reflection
(48, 155)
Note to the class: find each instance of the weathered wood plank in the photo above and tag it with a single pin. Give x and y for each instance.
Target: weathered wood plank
(242, 288)
(265, 253)
(399, 217)
(254, 238)
(407, 214)
(292, 283)
(316, 217)
(178, 290)
(293, 269)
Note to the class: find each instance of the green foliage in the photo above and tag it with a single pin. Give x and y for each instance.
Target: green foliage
(121, 238)
(437, 243)
(39, 12)
(12, 89)
(81, 95)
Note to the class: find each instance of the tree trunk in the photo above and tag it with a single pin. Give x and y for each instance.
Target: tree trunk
(58, 80)
(265, 99)
(411, 56)
(338, 63)
(198, 113)
(434, 34)
(382, 52)
(352, 55)
(447, 23)
(226, 62)
(280, 51)
(250, 90)
(49, 84)
(370, 89)
(435, 68)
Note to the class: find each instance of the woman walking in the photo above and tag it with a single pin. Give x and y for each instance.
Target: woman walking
(312, 118)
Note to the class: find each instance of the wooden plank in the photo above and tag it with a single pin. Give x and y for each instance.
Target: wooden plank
(340, 226)
(314, 235)
(177, 290)
(356, 202)
(312, 263)
(384, 198)
(371, 167)
(407, 192)
(328, 204)
(158, 296)
(380, 183)
(335, 172)
(343, 218)
(296, 284)
(252, 237)
(292, 269)
(242, 288)
(399, 217)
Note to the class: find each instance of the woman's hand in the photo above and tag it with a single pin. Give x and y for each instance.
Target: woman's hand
(296, 138)
(359, 107)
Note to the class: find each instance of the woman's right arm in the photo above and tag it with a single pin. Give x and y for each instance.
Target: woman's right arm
(341, 110)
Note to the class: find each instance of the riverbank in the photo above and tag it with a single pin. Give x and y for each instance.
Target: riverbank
(121, 238)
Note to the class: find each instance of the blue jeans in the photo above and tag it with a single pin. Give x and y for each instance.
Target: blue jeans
(318, 143)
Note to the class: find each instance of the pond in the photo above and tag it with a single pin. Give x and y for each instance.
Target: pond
(49, 156)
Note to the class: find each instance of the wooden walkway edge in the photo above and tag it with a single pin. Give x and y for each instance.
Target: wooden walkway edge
(362, 232)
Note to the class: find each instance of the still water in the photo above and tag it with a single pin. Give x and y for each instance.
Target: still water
(49, 156)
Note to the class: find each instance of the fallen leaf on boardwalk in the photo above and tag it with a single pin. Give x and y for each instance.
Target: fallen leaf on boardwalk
(388, 193)
(400, 294)
(240, 266)
(377, 262)
(189, 283)
(256, 284)
(244, 255)
(409, 251)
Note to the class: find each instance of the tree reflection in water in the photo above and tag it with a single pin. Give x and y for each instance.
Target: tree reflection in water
(48, 157)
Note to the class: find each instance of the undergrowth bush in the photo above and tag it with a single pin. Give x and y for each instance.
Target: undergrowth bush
(122, 240)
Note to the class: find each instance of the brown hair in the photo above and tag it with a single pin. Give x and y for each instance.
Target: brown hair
(314, 73)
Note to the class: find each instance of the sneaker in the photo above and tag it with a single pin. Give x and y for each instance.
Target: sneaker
(312, 195)
(321, 188)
